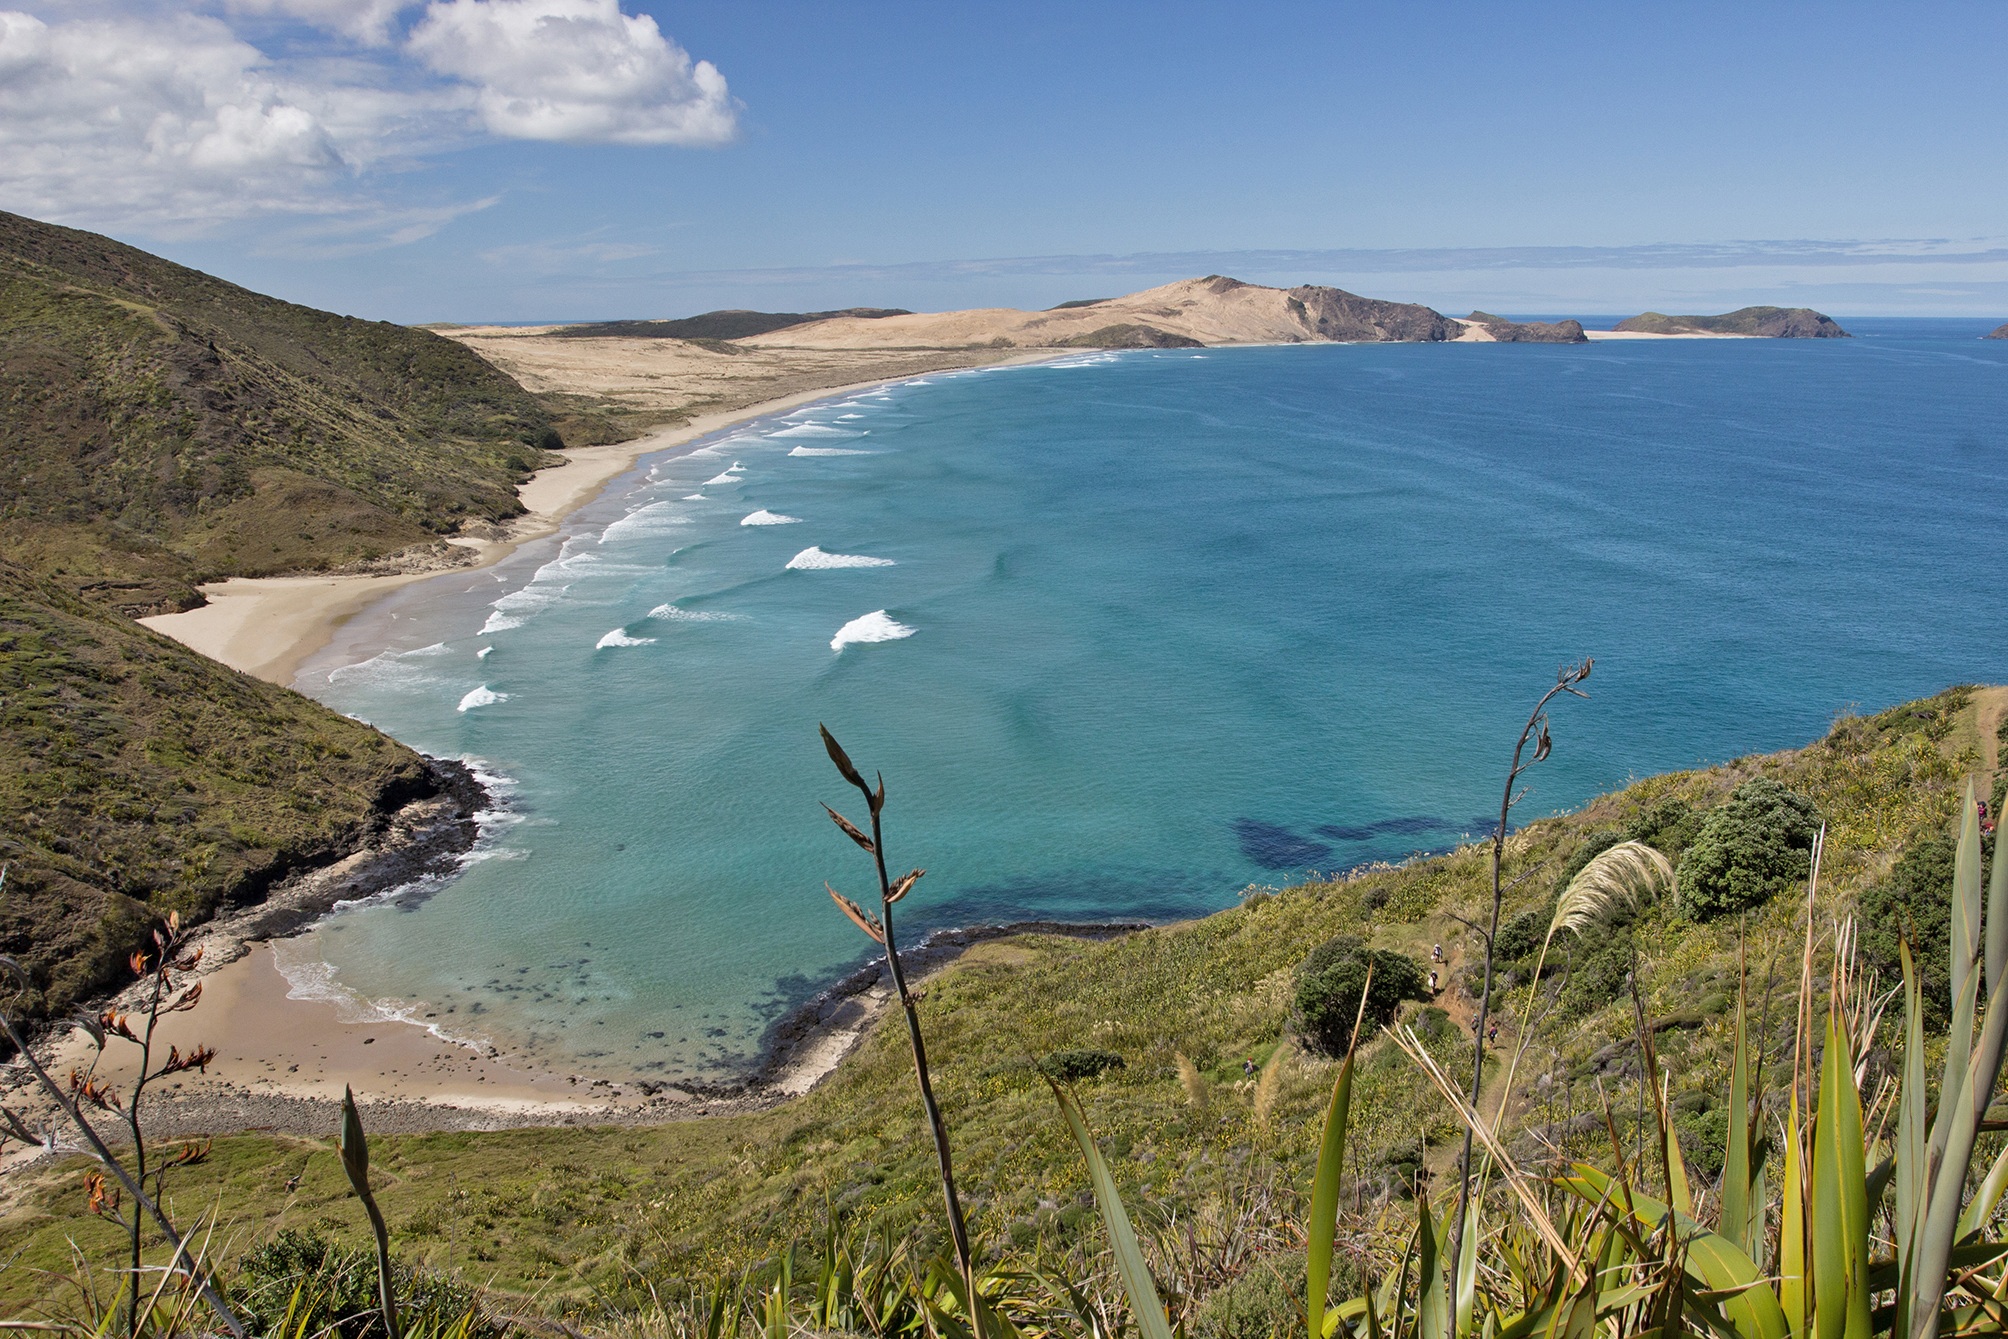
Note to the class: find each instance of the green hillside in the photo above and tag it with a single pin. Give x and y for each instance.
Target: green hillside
(165, 427)
(585, 1222)
(137, 777)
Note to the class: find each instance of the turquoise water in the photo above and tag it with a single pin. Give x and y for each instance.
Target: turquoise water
(1155, 626)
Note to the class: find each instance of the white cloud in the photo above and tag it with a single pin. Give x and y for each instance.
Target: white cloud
(174, 119)
(366, 21)
(575, 70)
(120, 115)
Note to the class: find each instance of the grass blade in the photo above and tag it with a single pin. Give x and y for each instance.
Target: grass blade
(1325, 1198)
(1840, 1196)
(1130, 1264)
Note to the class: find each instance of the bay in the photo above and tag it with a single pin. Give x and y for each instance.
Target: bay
(1128, 633)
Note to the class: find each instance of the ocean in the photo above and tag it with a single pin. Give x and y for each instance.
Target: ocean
(1129, 633)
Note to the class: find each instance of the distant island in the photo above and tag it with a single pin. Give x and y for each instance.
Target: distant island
(1999, 332)
(1759, 322)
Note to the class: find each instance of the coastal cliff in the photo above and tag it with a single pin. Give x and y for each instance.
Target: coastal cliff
(1998, 332)
(1760, 322)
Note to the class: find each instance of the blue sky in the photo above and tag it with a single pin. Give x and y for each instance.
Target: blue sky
(564, 159)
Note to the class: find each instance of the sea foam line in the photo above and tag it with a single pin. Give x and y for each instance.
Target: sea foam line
(765, 517)
(829, 451)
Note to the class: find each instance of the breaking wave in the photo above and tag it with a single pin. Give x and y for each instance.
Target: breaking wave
(619, 637)
(829, 451)
(877, 626)
(765, 517)
(813, 559)
(484, 696)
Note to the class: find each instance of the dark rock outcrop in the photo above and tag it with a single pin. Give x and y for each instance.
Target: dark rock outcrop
(1129, 335)
(1333, 313)
(1999, 332)
(1529, 332)
(1766, 322)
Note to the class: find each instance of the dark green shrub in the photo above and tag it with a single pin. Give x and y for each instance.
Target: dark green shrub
(1748, 850)
(1521, 937)
(1914, 903)
(1592, 846)
(1669, 827)
(1329, 984)
(1071, 1066)
(1598, 967)
(338, 1290)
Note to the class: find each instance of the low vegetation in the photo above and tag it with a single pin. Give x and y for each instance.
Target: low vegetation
(167, 428)
(829, 1208)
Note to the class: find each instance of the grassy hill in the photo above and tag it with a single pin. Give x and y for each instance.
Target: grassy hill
(585, 1220)
(137, 777)
(165, 427)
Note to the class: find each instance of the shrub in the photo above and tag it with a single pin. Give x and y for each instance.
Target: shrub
(1072, 1066)
(1266, 1299)
(1592, 846)
(1329, 984)
(1668, 827)
(337, 1289)
(1914, 903)
(1748, 850)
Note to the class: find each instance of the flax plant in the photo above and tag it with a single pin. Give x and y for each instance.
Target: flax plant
(163, 994)
(879, 928)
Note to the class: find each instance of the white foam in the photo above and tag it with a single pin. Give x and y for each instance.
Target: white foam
(816, 430)
(877, 626)
(484, 696)
(845, 418)
(670, 613)
(499, 622)
(695, 497)
(653, 519)
(765, 517)
(829, 451)
(483, 653)
(731, 475)
(813, 559)
(619, 637)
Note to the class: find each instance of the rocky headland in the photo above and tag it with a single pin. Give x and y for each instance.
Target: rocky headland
(1758, 322)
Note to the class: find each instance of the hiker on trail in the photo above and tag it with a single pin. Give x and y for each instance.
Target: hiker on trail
(1492, 1033)
(1436, 953)
(1432, 980)
(1248, 1067)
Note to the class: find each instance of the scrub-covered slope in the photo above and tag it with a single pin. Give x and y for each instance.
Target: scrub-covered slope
(138, 778)
(164, 427)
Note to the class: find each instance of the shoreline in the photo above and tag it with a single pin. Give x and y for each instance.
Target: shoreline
(268, 627)
(282, 1067)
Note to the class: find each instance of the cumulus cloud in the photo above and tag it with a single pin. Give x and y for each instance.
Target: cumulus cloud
(575, 70)
(123, 115)
(151, 119)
